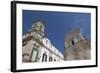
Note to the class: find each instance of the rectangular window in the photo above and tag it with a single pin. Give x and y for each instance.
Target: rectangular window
(34, 55)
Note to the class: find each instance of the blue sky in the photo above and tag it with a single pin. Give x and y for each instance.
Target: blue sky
(58, 24)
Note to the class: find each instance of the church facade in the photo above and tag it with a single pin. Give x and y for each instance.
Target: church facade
(37, 47)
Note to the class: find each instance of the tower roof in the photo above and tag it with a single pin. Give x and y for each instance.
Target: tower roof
(38, 21)
(72, 32)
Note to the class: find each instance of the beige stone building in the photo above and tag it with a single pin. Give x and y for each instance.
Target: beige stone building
(37, 47)
(77, 47)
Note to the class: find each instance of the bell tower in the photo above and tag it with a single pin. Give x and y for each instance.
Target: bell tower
(37, 29)
(38, 26)
(76, 46)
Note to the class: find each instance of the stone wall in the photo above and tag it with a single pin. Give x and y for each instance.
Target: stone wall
(76, 47)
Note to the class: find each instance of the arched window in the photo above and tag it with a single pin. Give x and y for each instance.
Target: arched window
(50, 59)
(54, 59)
(73, 43)
(44, 58)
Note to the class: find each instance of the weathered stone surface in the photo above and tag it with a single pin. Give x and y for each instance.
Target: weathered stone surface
(37, 47)
(76, 46)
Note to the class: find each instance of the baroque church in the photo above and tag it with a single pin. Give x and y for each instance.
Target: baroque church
(38, 48)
